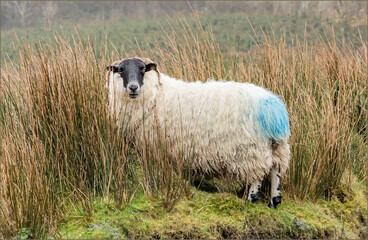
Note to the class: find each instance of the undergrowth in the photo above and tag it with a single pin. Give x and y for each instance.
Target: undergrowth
(217, 216)
(60, 147)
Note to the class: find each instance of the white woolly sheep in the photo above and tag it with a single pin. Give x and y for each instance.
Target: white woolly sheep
(238, 130)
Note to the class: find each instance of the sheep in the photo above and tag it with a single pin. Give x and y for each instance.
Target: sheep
(238, 130)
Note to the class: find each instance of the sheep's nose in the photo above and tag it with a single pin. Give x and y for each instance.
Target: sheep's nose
(133, 88)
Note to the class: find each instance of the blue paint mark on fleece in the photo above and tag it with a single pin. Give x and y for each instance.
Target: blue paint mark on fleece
(273, 118)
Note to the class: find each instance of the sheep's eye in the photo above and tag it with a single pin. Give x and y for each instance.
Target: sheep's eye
(143, 69)
(120, 70)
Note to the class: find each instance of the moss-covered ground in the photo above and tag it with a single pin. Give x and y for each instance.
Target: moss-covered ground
(221, 215)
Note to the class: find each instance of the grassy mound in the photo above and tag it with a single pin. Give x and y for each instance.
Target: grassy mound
(219, 215)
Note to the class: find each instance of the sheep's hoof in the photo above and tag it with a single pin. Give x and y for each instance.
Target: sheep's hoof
(253, 197)
(275, 201)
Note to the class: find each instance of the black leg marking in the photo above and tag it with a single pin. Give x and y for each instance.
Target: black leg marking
(254, 191)
(254, 197)
(275, 201)
(275, 187)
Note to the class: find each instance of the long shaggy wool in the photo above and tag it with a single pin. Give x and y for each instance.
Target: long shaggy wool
(237, 130)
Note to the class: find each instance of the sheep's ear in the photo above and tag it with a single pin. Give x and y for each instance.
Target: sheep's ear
(151, 66)
(112, 68)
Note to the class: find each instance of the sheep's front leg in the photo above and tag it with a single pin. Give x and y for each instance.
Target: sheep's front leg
(254, 191)
(275, 187)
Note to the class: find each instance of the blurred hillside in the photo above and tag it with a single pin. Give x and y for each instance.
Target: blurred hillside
(39, 14)
(235, 24)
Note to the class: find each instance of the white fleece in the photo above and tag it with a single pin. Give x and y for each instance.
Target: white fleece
(218, 120)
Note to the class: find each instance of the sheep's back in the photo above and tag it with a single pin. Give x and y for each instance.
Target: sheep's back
(227, 125)
(214, 115)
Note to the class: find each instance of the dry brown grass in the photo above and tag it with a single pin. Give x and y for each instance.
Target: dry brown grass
(58, 142)
(59, 145)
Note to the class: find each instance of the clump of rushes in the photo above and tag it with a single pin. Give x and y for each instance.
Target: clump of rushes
(165, 175)
(323, 85)
(60, 146)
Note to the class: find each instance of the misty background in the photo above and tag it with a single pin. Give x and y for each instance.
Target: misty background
(42, 14)
(233, 23)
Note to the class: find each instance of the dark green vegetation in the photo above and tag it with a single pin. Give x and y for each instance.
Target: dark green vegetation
(66, 170)
(216, 216)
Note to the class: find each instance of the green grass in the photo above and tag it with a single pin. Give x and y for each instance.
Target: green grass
(217, 215)
(65, 164)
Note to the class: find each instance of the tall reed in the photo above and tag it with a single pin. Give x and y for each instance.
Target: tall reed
(324, 86)
(59, 145)
(58, 141)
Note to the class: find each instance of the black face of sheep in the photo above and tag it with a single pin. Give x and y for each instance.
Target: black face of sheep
(132, 71)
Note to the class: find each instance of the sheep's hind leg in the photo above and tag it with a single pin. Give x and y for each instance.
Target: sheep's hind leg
(275, 187)
(254, 191)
